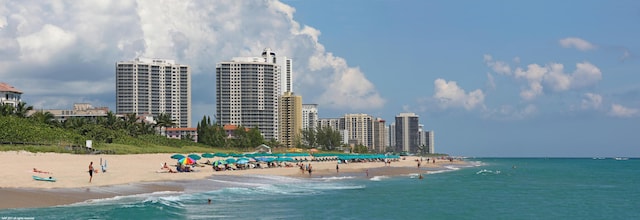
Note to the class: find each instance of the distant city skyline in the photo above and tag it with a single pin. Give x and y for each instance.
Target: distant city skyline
(491, 78)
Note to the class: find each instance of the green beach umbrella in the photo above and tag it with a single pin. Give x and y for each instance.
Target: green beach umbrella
(177, 156)
(194, 156)
(208, 155)
(220, 155)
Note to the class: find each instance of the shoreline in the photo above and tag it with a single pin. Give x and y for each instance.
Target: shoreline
(137, 174)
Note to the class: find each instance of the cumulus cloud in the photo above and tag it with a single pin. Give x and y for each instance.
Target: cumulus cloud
(76, 43)
(500, 67)
(554, 77)
(577, 43)
(591, 101)
(450, 95)
(622, 111)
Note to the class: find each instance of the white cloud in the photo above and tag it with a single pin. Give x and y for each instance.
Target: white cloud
(78, 42)
(577, 43)
(622, 112)
(533, 75)
(591, 101)
(47, 43)
(497, 66)
(450, 95)
(553, 76)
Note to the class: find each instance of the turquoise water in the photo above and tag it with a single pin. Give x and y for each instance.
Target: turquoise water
(532, 188)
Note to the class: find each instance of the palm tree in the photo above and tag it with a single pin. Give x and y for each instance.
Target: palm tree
(164, 120)
(22, 109)
(44, 117)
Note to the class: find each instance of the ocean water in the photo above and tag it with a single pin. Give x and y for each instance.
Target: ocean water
(488, 188)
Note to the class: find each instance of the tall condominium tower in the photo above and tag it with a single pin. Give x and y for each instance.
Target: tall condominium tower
(286, 74)
(360, 129)
(154, 86)
(392, 135)
(407, 132)
(379, 135)
(290, 118)
(309, 116)
(247, 92)
(430, 142)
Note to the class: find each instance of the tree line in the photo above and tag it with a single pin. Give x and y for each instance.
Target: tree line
(110, 127)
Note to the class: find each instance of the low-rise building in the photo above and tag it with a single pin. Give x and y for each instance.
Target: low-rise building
(181, 133)
(9, 95)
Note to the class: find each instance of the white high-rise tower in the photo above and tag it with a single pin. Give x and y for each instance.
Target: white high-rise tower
(248, 91)
(154, 86)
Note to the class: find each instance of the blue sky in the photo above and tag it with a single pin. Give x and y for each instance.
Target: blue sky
(491, 78)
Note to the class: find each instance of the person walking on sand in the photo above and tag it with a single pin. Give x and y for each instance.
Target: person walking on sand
(337, 168)
(90, 171)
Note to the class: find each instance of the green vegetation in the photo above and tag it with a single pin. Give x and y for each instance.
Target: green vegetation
(40, 132)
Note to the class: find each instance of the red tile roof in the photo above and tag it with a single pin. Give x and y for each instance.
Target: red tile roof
(8, 88)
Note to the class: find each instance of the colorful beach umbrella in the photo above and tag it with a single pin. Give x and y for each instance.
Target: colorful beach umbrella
(177, 156)
(186, 161)
(219, 162)
(194, 156)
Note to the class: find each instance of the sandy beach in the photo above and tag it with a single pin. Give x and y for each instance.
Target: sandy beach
(141, 173)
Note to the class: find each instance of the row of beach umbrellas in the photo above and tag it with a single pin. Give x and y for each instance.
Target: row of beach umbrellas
(246, 158)
(192, 158)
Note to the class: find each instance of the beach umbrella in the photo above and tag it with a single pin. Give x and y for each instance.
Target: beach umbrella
(231, 160)
(220, 155)
(186, 161)
(208, 155)
(194, 156)
(242, 161)
(177, 156)
(219, 162)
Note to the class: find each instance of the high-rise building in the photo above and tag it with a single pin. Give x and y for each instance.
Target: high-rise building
(379, 135)
(360, 129)
(248, 91)
(290, 119)
(309, 116)
(407, 132)
(286, 74)
(153, 86)
(392, 135)
(430, 142)
(333, 123)
(9, 95)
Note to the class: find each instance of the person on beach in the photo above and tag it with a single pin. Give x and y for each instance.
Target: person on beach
(39, 171)
(309, 169)
(337, 168)
(90, 171)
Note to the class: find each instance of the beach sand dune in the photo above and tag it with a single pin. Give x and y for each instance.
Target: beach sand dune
(17, 187)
